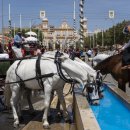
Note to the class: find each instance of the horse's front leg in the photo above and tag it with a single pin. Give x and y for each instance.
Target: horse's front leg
(121, 85)
(46, 105)
(62, 101)
(14, 103)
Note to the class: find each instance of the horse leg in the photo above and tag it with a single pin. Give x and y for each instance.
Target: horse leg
(46, 105)
(62, 101)
(14, 102)
(28, 92)
(121, 85)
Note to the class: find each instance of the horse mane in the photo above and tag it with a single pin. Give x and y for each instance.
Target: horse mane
(115, 58)
(112, 60)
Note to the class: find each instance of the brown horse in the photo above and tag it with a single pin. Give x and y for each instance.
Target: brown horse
(113, 65)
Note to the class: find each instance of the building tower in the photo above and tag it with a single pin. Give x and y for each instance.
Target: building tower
(85, 27)
(45, 30)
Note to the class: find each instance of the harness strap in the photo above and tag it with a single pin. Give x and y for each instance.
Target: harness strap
(16, 70)
(38, 72)
(38, 76)
(60, 73)
(42, 76)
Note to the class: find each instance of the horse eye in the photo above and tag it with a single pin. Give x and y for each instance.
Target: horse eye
(90, 89)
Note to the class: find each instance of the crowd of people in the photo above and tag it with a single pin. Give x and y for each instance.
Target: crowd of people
(19, 47)
(36, 49)
(21, 50)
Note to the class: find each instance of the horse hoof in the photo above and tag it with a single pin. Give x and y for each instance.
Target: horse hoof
(101, 96)
(16, 125)
(95, 103)
(46, 126)
(68, 121)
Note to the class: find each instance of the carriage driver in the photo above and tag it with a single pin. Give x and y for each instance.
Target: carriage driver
(126, 50)
(17, 45)
(18, 40)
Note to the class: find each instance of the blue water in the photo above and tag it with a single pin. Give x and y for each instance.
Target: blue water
(111, 114)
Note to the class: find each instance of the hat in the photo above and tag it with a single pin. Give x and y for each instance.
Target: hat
(126, 29)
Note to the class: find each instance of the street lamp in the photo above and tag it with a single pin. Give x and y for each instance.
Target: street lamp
(112, 16)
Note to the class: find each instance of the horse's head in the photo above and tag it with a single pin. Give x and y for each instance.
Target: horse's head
(99, 83)
(92, 91)
(84, 74)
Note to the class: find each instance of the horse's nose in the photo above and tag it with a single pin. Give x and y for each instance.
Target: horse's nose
(101, 95)
(96, 102)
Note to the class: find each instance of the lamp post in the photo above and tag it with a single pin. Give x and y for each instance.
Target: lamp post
(112, 16)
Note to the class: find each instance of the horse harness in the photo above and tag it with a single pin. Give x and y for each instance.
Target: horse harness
(57, 61)
(39, 76)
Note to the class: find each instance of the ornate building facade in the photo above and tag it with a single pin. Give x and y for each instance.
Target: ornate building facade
(62, 36)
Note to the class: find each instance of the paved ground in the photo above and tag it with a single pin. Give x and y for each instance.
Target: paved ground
(56, 123)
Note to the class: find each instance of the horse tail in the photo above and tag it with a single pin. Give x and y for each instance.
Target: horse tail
(7, 93)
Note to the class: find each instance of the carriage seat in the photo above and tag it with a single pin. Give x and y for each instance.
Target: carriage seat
(4, 56)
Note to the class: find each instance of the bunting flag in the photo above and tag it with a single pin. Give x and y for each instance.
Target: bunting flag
(81, 21)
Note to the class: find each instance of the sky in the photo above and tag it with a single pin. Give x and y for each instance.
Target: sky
(96, 12)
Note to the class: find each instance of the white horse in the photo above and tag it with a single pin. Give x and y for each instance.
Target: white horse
(26, 69)
(93, 96)
(93, 74)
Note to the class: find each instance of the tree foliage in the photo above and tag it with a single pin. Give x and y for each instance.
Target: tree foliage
(108, 36)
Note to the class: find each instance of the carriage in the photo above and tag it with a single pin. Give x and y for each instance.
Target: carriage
(5, 62)
(4, 65)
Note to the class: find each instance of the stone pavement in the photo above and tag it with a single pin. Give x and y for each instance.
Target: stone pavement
(35, 120)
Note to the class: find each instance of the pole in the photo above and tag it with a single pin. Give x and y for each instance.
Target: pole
(112, 16)
(102, 37)
(93, 40)
(10, 31)
(31, 25)
(2, 25)
(96, 39)
(20, 23)
(74, 27)
(14, 29)
(114, 34)
(81, 21)
(90, 41)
